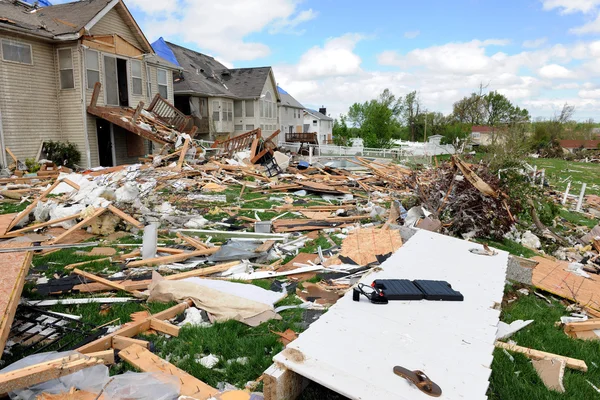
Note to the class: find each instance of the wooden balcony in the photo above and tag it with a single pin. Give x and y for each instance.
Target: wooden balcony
(301, 137)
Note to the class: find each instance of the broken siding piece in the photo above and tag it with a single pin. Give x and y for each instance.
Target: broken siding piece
(146, 361)
(572, 363)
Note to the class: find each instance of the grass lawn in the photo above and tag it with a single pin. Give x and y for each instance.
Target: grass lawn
(559, 172)
(518, 379)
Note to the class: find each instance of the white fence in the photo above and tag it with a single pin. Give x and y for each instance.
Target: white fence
(405, 150)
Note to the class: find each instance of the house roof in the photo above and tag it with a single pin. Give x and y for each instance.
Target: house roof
(53, 22)
(246, 82)
(287, 100)
(576, 144)
(318, 114)
(481, 128)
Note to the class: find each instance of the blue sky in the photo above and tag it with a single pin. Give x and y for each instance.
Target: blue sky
(540, 53)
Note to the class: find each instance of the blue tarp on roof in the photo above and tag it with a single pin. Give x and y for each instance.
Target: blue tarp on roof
(41, 3)
(163, 50)
(280, 90)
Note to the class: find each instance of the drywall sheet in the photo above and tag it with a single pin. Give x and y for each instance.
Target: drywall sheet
(353, 348)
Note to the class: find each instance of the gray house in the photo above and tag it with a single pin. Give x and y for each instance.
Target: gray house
(225, 101)
(291, 113)
(50, 61)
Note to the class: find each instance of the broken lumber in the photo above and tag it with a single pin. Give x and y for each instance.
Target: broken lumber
(126, 217)
(19, 232)
(572, 363)
(134, 328)
(80, 225)
(32, 206)
(164, 327)
(145, 361)
(122, 342)
(173, 258)
(182, 155)
(46, 371)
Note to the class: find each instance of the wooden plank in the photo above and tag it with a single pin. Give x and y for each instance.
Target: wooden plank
(14, 267)
(173, 259)
(126, 217)
(32, 206)
(191, 241)
(108, 283)
(122, 342)
(572, 363)
(145, 361)
(133, 329)
(19, 232)
(282, 384)
(583, 326)
(169, 250)
(186, 146)
(79, 264)
(164, 327)
(43, 372)
(266, 246)
(79, 225)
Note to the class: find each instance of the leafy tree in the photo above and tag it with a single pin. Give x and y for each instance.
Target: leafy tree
(410, 112)
(376, 120)
(341, 134)
(470, 110)
(457, 134)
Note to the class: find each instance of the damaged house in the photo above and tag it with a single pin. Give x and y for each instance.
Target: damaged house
(52, 59)
(224, 101)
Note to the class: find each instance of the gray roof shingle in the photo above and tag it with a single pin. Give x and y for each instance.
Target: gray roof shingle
(319, 115)
(288, 101)
(246, 83)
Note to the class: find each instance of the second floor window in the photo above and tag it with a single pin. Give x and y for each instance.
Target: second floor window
(65, 64)
(136, 77)
(92, 67)
(215, 112)
(227, 111)
(16, 52)
(163, 87)
(237, 109)
(249, 108)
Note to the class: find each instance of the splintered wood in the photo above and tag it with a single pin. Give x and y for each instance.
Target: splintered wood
(363, 245)
(145, 361)
(14, 267)
(554, 277)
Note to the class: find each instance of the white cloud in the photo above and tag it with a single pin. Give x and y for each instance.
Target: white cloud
(590, 27)
(412, 34)
(590, 94)
(566, 86)
(535, 43)
(335, 58)
(555, 71)
(571, 6)
(221, 27)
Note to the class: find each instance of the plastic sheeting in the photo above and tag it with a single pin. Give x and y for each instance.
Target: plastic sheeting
(134, 386)
(163, 50)
(237, 250)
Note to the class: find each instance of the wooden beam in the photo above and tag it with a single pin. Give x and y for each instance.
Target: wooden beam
(281, 383)
(137, 112)
(145, 361)
(95, 95)
(184, 150)
(70, 183)
(19, 232)
(172, 259)
(46, 371)
(122, 342)
(30, 207)
(164, 327)
(191, 241)
(203, 271)
(583, 326)
(79, 264)
(79, 225)
(133, 329)
(572, 363)
(169, 250)
(108, 283)
(126, 217)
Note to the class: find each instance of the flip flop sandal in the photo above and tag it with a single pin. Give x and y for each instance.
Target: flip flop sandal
(420, 380)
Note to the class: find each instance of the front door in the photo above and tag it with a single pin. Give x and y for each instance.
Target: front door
(105, 144)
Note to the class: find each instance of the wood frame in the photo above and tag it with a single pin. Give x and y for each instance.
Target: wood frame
(572, 363)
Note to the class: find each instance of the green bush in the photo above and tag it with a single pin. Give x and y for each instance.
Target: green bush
(62, 153)
(32, 165)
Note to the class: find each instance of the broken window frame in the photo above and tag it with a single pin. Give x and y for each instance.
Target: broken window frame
(165, 85)
(88, 56)
(15, 43)
(62, 69)
(135, 78)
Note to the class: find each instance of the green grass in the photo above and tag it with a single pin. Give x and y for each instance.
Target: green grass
(10, 208)
(58, 260)
(577, 218)
(518, 379)
(559, 171)
(510, 246)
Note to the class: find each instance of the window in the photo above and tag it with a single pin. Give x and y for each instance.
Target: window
(262, 127)
(239, 127)
(216, 108)
(249, 109)
(65, 64)
(250, 127)
(92, 66)
(136, 77)
(227, 111)
(314, 122)
(237, 109)
(476, 135)
(261, 107)
(16, 52)
(162, 83)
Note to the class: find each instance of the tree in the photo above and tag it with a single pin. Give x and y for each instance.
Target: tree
(470, 110)
(376, 121)
(457, 134)
(341, 134)
(411, 111)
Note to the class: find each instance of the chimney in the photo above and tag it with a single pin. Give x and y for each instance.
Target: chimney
(323, 110)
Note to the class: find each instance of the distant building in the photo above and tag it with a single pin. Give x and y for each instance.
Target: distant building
(291, 113)
(482, 135)
(435, 139)
(573, 145)
(319, 123)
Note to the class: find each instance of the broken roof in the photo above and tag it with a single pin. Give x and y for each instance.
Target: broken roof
(318, 115)
(54, 22)
(287, 100)
(246, 82)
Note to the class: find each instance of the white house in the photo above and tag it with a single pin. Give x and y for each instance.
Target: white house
(318, 122)
(291, 114)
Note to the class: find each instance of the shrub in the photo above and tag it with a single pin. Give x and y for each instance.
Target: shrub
(62, 153)
(32, 165)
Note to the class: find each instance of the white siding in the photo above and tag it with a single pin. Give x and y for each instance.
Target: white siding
(28, 100)
(113, 23)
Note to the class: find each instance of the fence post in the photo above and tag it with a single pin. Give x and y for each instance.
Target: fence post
(564, 200)
(580, 201)
(310, 154)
